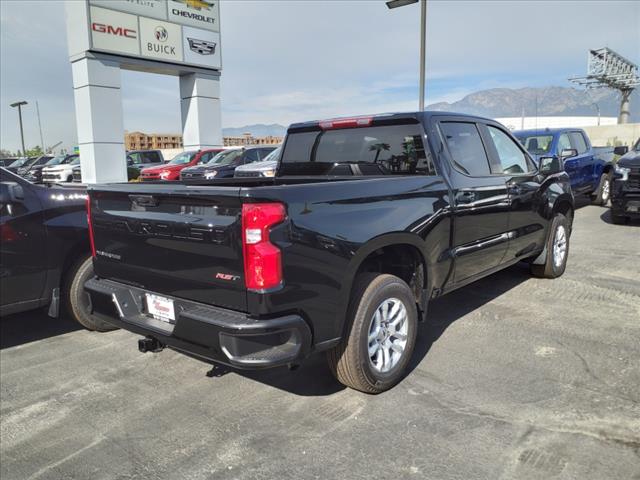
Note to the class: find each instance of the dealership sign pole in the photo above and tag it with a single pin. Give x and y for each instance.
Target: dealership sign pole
(169, 37)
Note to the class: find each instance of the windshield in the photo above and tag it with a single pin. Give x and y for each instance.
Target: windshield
(273, 156)
(536, 144)
(225, 158)
(182, 158)
(75, 161)
(55, 160)
(19, 162)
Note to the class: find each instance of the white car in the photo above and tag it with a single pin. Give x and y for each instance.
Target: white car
(265, 168)
(63, 172)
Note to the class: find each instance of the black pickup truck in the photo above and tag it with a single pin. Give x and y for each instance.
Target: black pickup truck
(366, 221)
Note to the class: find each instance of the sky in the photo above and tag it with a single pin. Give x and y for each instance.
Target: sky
(287, 61)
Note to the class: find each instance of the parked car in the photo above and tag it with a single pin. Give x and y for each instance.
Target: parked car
(62, 171)
(224, 164)
(23, 171)
(625, 191)
(16, 164)
(34, 174)
(5, 162)
(29, 168)
(136, 161)
(366, 221)
(589, 168)
(266, 168)
(171, 170)
(45, 255)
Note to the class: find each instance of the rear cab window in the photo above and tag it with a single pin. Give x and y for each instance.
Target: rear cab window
(372, 151)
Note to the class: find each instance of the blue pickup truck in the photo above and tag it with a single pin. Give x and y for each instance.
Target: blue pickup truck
(590, 168)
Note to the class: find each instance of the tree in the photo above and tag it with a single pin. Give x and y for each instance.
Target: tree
(379, 147)
(34, 152)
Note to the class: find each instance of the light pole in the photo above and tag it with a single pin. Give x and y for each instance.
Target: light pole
(19, 105)
(423, 39)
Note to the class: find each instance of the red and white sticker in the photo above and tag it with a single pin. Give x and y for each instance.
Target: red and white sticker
(160, 308)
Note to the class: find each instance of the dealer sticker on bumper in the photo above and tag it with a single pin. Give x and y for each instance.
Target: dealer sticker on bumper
(160, 308)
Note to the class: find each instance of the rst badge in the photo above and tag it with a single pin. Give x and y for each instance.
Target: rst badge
(201, 46)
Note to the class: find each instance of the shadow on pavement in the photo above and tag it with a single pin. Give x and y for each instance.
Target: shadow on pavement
(31, 326)
(606, 218)
(313, 377)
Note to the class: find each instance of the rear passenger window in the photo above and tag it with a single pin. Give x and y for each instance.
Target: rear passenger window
(465, 145)
(512, 159)
(563, 143)
(578, 142)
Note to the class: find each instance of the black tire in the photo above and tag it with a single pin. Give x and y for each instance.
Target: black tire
(76, 301)
(350, 361)
(603, 194)
(550, 269)
(618, 219)
(70, 178)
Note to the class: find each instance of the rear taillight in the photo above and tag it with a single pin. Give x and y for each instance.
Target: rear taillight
(91, 241)
(262, 259)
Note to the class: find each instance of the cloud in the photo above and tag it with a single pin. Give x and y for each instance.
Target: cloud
(293, 60)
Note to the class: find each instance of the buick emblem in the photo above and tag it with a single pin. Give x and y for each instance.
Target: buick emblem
(161, 34)
(201, 46)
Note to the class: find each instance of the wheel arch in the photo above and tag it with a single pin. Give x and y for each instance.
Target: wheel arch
(378, 255)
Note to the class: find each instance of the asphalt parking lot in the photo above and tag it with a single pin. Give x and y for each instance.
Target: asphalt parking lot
(514, 377)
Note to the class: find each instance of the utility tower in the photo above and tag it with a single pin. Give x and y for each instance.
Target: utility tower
(608, 69)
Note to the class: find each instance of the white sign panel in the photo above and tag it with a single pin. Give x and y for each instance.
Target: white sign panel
(146, 8)
(197, 13)
(114, 31)
(201, 47)
(161, 40)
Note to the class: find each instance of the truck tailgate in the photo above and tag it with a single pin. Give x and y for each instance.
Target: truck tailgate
(171, 239)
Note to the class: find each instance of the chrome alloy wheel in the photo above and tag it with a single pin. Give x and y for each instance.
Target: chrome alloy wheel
(606, 191)
(559, 246)
(388, 335)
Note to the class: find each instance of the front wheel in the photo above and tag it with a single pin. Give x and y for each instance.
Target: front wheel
(383, 321)
(557, 247)
(603, 194)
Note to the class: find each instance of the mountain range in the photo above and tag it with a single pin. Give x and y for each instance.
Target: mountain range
(507, 102)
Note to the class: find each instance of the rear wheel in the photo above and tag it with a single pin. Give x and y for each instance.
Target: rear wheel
(76, 300)
(378, 345)
(603, 194)
(557, 247)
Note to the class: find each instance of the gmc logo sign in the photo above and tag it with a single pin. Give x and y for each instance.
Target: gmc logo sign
(118, 31)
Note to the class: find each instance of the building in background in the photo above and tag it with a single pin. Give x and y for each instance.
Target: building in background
(171, 141)
(152, 141)
(248, 139)
(525, 123)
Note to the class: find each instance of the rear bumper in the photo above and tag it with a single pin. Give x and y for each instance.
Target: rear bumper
(217, 334)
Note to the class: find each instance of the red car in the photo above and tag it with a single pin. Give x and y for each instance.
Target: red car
(171, 170)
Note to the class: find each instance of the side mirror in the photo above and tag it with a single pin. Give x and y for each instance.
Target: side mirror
(620, 150)
(550, 165)
(568, 153)
(10, 192)
(129, 161)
